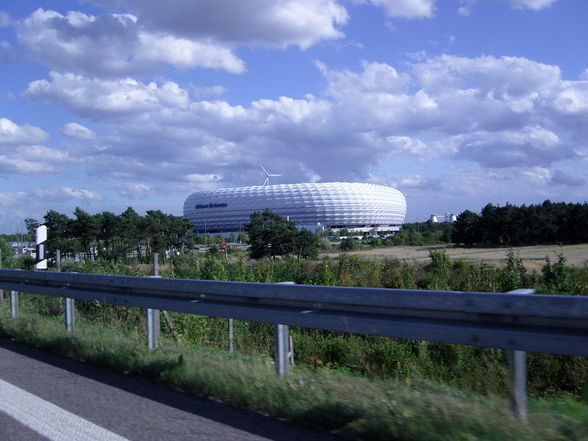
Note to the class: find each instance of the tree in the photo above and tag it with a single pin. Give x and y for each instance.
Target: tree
(6, 254)
(466, 227)
(131, 230)
(306, 244)
(270, 235)
(31, 225)
(85, 229)
(160, 230)
(58, 232)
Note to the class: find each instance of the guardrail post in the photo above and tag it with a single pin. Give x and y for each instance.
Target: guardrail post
(517, 374)
(283, 343)
(69, 315)
(13, 304)
(69, 303)
(152, 315)
(231, 348)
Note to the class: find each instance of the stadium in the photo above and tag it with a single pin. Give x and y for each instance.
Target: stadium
(331, 205)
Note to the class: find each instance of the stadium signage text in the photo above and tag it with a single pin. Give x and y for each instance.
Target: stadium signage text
(211, 205)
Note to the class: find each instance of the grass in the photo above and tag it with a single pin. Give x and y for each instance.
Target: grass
(320, 399)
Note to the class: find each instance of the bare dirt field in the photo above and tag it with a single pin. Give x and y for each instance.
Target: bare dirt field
(533, 256)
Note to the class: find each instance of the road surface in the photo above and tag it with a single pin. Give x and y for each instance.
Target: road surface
(48, 397)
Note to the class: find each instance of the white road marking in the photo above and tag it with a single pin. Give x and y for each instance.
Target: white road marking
(49, 420)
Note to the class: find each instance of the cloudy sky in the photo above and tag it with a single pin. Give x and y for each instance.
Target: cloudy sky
(106, 104)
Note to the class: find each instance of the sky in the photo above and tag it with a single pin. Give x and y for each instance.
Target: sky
(106, 104)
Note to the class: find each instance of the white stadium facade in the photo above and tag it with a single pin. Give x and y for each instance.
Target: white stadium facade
(330, 205)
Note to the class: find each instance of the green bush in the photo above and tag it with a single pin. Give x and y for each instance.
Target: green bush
(349, 244)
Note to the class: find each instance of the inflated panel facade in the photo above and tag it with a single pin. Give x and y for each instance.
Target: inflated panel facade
(332, 204)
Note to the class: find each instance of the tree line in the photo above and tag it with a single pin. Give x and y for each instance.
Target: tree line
(523, 225)
(115, 236)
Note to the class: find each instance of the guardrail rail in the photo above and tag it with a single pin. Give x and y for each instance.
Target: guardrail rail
(515, 321)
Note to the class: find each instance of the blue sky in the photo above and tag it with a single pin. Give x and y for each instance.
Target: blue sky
(106, 104)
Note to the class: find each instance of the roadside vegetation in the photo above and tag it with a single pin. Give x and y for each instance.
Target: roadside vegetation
(360, 386)
(321, 399)
(469, 368)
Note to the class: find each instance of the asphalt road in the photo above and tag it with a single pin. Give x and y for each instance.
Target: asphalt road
(48, 397)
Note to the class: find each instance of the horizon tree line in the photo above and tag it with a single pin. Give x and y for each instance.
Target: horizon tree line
(114, 236)
(545, 223)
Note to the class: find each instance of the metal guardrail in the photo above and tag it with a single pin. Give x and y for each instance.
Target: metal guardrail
(515, 321)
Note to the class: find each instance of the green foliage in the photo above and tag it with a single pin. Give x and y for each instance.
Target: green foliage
(398, 274)
(272, 235)
(58, 237)
(349, 244)
(465, 228)
(438, 272)
(513, 275)
(240, 272)
(306, 244)
(422, 233)
(25, 262)
(214, 251)
(125, 237)
(355, 271)
(213, 269)
(326, 276)
(185, 266)
(7, 258)
(557, 277)
(31, 225)
(525, 225)
(84, 228)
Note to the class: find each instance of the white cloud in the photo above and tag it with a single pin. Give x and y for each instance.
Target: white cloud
(74, 42)
(527, 147)
(134, 190)
(33, 160)
(77, 131)
(199, 178)
(69, 193)
(417, 182)
(534, 5)
(12, 134)
(107, 98)
(407, 8)
(183, 53)
(274, 23)
(573, 98)
(500, 113)
(21, 151)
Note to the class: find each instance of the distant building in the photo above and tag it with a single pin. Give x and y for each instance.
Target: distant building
(332, 205)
